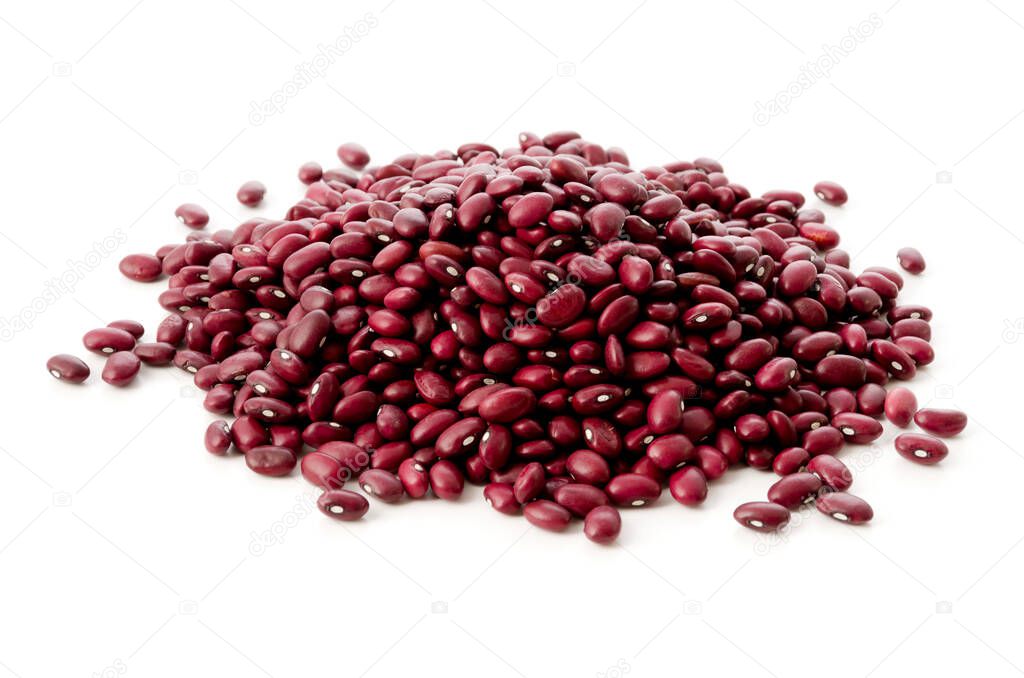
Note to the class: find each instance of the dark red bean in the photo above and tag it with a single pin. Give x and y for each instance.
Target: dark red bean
(251, 193)
(547, 515)
(353, 155)
(579, 499)
(633, 489)
(911, 260)
(192, 215)
(446, 480)
(845, 508)
(762, 516)
(108, 340)
(832, 472)
(688, 486)
(900, 406)
(270, 460)
(830, 192)
(121, 368)
(857, 428)
(501, 498)
(602, 525)
(795, 490)
(943, 423)
(921, 448)
(529, 483)
(343, 504)
(381, 484)
(67, 368)
(141, 267)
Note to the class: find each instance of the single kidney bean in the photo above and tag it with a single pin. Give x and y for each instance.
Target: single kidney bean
(251, 193)
(579, 499)
(688, 486)
(632, 489)
(943, 423)
(108, 340)
(270, 460)
(911, 260)
(141, 267)
(343, 504)
(121, 368)
(900, 406)
(921, 448)
(790, 460)
(603, 524)
(67, 368)
(381, 484)
(529, 483)
(832, 472)
(794, 490)
(547, 515)
(830, 192)
(192, 215)
(762, 516)
(857, 428)
(415, 479)
(845, 507)
(446, 480)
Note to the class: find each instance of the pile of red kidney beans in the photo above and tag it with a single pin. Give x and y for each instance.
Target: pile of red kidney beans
(545, 321)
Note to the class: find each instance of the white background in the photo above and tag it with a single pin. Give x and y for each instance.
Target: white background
(126, 548)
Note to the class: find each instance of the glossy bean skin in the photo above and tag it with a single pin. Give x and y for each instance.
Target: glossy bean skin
(121, 368)
(547, 515)
(688, 486)
(795, 490)
(921, 448)
(900, 406)
(830, 192)
(941, 422)
(602, 525)
(544, 321)
(911, 260)
(67, 368)
(846, 508)
(343, 504)
(761, 516)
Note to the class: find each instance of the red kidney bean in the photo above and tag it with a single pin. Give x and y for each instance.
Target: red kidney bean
(900, 406)
(579, 499)
(381, 484)
(108, 340)
(795, 490)
(270, 460)
(633, 489)
(343, 504)
(830, 192)
(857, 428)
(529, 483)
(192, 215)
(943, 423)
(67, 368)
(762, 516)
(548, 319)
(911, 260)
(790, 460)
(688, 486)
(251, 193)
(547, 515)
(353, 155)
(845, 508)
(832, 472)
(121, 368)
(921, 448)
(602, 525)
(141, 267)
(501, 498)
(414, 477)
(446, 480)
